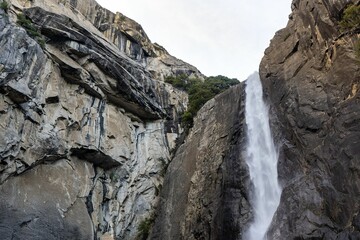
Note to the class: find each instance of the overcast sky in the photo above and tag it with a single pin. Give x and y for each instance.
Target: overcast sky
(219, 37)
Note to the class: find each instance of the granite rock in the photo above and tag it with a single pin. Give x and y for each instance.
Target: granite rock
(312, 87)
(85, 130)
(205, 192)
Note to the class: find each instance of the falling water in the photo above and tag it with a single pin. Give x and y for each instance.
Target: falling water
(261, 157)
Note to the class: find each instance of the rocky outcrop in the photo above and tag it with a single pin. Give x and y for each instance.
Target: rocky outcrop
(126, 34)
(204, 194)
(312, 85)
(85, 130)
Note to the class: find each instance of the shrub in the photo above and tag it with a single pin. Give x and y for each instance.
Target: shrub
(357, 48)
(24, 22)
(180, 82)
(199, 92)
(4, 5)
(350, 21)
(30, 29)
(114, 176)
(187, 119)
(144, 228)
(351, 18)
(41, 41)
(164, 166)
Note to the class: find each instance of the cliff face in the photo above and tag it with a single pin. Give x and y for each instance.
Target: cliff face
(130, 38)
(87, 126)
(310, 75)
(86, 123)
(312, 85)
(205, 189)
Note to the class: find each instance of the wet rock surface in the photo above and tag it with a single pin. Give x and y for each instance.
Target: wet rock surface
(312, 86)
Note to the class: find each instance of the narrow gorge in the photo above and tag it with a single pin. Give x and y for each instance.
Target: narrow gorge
(94, 145)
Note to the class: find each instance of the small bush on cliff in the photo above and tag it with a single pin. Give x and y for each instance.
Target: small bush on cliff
(144, 228)
(350, 22)
(351, 18)
(180, 82)
(164, 166)
(199, 92)
(4, 5)
(30, 29)
(357, 49)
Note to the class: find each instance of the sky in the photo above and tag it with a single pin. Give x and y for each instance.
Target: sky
(219, 37)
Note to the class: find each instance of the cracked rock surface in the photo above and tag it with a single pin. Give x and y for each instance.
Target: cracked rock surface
(312, 85)
(86, 129)
(205, 192)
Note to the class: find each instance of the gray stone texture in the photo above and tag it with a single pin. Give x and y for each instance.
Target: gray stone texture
(205, 190)
(86, 129)
(311, 76)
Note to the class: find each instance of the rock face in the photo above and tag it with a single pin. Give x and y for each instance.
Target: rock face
(129, 37)
(86, 129)
(205, 190)
(312, 84)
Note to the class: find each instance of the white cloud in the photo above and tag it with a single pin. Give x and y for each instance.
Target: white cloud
(226, 37)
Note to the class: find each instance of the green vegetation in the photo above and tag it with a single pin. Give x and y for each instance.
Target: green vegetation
(199, 92)
(4, 5)
(114, 176)
(351, 21)
(357, 49)
(351, 18)
(164, 166)
(30, 29)
(144, 227)
(181, 82)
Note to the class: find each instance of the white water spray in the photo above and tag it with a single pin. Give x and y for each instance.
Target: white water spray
(261, 157)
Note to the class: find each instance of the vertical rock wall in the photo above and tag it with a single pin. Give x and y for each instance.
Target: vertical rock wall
(85, 131)
(126, 34)
(204, 194)
(311, 76)
(87, 126)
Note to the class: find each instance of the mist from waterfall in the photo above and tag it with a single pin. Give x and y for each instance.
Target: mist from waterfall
(261, 157)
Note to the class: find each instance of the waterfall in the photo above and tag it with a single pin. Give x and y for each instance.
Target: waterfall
(261, 157)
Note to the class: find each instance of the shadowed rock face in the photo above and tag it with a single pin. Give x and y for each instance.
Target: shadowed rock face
(311, 76)
(204, 194)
